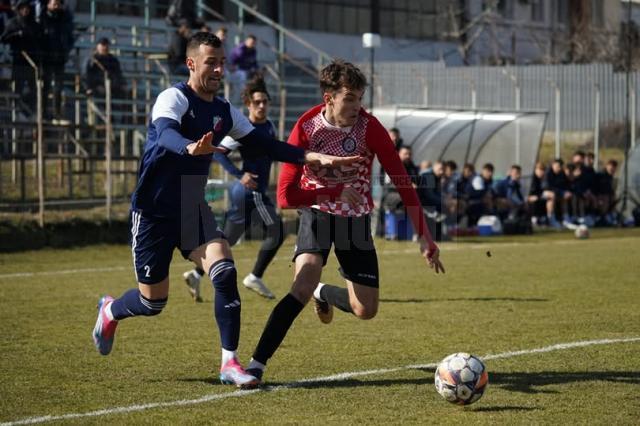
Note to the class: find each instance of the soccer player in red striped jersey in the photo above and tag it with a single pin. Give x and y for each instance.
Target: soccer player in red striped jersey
(335, 206)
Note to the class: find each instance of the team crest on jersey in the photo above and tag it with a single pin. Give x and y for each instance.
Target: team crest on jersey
(217, 123)
(349, 145)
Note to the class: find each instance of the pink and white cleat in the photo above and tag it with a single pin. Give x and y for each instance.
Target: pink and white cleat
(105, 329)
(232, 373)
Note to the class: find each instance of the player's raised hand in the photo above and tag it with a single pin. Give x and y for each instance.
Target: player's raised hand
(248, 180)
(431, 253)
(203, 146)
(329, 160)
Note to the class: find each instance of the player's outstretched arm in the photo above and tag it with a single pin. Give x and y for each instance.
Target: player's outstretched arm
(288, 153)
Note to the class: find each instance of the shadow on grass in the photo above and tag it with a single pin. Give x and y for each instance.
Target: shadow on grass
(533, 383)
(468, 299)
(529, 383)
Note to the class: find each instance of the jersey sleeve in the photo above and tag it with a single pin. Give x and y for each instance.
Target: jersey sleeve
(172, 104)
(380, 143)
(241, 125)
(229, 143)
(289, 193)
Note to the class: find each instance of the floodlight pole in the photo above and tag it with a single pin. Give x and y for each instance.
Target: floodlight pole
(628, 131)
(557, 92)
(372, 61)
(371, 41)
(596, 129)
(516, 87)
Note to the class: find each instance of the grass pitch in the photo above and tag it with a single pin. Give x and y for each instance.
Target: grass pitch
(531, 292)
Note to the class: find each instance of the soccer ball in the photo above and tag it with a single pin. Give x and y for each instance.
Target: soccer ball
(582, 232)
(461, 378)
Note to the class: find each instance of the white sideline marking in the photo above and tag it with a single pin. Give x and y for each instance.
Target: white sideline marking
(446, 247)
(64, 272)
(332, 378)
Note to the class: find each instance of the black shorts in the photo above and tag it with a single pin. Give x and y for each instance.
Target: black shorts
(352, 241)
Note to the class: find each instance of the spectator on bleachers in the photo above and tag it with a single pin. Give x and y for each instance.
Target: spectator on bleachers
(510, 202)
(6, 13)
(605, 193)
(94, 76)
(183, 10)
(177, 54)
(557, 193)
(222, 33)
(23, 33)
(57, 24)
(538, 206)
(394, 134)
(242, 64)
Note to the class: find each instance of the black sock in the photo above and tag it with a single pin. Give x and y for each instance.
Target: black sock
(277, 326)
(336, 296)
(200, 271)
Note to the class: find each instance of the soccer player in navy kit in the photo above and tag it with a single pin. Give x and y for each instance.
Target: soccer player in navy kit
(249, 201)
(168, 208)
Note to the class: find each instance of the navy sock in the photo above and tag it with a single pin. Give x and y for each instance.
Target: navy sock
(227, 302)
(132, 303)
(283, 315)
(336, 296)
(269, 248)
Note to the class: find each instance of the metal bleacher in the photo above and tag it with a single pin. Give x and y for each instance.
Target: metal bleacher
(91, 157)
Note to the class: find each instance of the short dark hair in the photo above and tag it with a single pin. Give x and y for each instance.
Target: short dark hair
(451, 164)
(580, 153)
(614, 163)
(257, 85)
(202, 37)
(339, 74)
(252, 37)
(104, 41)
(559, 161)
(516, 167)
(488, 166)
(395, 130)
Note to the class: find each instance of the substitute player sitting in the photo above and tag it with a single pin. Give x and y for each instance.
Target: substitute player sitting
(334, 207)
(168, 208)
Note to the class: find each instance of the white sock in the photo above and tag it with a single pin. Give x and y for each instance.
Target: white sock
(316, 292)
(255, 364)
(228, 355)
(107, 311)
(195, 272)
(252, 277)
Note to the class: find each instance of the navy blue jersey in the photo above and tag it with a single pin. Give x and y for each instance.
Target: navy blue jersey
(170, 179)
(253, 160)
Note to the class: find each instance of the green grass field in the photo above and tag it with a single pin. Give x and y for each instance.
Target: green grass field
(531, 292)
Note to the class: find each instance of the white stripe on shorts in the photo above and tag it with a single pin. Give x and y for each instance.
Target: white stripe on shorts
(262, 209)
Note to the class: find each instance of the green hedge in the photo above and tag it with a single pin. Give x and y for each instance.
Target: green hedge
(75, 232)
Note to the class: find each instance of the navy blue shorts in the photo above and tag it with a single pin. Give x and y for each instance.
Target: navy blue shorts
(153, 240)
(250, 206)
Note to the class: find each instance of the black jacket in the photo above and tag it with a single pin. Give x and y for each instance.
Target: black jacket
(58, 36)
(23, 34)
(94, 76)
(177, 54)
